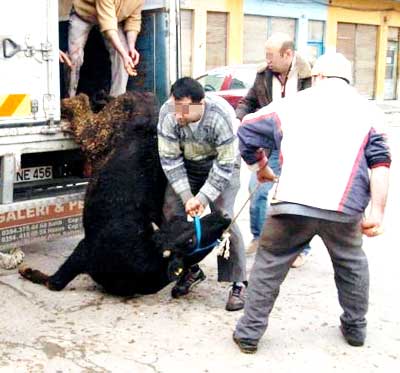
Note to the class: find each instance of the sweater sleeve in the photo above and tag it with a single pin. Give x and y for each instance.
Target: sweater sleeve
(259, 131)
(377, 150)
(106, 15)
(171, 156)
(222, 169)
(133, 22)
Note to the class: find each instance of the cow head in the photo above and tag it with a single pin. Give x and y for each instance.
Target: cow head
(177, 240)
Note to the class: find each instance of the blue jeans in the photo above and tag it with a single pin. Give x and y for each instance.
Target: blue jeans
(259, 200)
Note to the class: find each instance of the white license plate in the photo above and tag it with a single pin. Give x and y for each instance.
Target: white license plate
(33, 174)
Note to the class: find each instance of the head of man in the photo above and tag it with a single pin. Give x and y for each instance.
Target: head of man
(187, 97)
(331, 65)
(279, 52)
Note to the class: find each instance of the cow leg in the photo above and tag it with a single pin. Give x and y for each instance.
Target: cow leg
(72, 267)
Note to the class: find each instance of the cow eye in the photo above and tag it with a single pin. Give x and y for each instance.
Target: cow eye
(190, 241)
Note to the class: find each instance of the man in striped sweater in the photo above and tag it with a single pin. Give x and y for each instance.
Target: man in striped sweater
(197, 150)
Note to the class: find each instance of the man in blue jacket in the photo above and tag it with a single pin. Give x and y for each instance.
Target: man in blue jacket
(313, 127)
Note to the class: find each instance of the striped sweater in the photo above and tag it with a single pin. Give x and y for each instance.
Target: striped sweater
(212, 138)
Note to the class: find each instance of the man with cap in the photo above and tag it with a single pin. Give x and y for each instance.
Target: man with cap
(313, 127)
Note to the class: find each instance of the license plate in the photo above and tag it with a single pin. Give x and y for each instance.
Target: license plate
(34, 174)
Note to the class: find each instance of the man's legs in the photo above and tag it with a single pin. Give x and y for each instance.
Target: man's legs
(77, 38)
(344, 243)
(273, 259)
(119, 76)
(234, 268)
(259, 202)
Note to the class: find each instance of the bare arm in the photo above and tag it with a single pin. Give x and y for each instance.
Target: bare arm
(133, 53)
(112, 36)
(372, 224)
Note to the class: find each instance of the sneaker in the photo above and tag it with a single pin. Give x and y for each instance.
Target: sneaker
(252, 246)
(354, 336)
(299, 261)
(247, 346)
(236, 298)
(186, 282)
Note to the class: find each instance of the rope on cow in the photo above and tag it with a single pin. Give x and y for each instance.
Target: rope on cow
(11, 260)
(224, 246)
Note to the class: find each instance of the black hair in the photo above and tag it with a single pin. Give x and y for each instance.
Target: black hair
(187, 87)
(340, 77)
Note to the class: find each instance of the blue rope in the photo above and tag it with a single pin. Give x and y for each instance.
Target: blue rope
(197, 228)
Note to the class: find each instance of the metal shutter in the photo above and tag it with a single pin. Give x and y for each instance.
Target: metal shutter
(186, 41)
(286, 25)
(391, 69)
(254, 38)
(216, 39)
(358, 44)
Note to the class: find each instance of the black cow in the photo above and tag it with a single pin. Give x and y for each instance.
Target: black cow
(121, 250)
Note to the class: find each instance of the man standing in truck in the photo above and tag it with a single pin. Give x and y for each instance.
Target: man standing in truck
(120, 23)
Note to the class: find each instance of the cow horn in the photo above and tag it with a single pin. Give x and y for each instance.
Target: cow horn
(155, 226)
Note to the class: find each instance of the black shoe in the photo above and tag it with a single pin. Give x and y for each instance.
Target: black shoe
(247, 346)
(186, 282)
(354, 336)
(236, 298)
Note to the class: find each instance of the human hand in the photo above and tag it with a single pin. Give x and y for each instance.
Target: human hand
(266, 174)
(194, 207)
(64, 58)
(372, 226)
(134, 54)
(129, 66)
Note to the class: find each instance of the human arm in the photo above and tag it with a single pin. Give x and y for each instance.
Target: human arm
(378, 157)
(259, 131)
(132, 28)
(372, 224)
(113, 37)
(132, 51)
(171, 157)
(108, 21)
(248, 104)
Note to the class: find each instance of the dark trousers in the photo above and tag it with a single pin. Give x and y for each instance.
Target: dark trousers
(281, 234)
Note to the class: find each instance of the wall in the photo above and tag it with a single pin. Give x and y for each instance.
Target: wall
(369, 12)
(234, 8)
(300, 10)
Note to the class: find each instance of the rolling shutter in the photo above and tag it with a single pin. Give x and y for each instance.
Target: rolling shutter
(186, 41)
(358, 44)
(216, 39)
(254, 38)
(285, 25)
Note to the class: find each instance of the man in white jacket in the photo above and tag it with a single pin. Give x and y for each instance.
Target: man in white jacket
(331, 127)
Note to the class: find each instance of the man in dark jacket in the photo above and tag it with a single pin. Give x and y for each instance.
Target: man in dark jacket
(284, 73)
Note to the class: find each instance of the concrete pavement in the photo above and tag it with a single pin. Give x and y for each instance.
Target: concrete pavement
(82, 329)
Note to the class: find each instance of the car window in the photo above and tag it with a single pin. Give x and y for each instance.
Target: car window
(211, 82)
(228, 78)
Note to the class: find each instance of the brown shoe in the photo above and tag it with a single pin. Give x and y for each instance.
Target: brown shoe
(252, 246)
(236, 298)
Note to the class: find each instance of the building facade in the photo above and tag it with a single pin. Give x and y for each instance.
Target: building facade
(211, 34)
(304, 20)
(367, 32)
